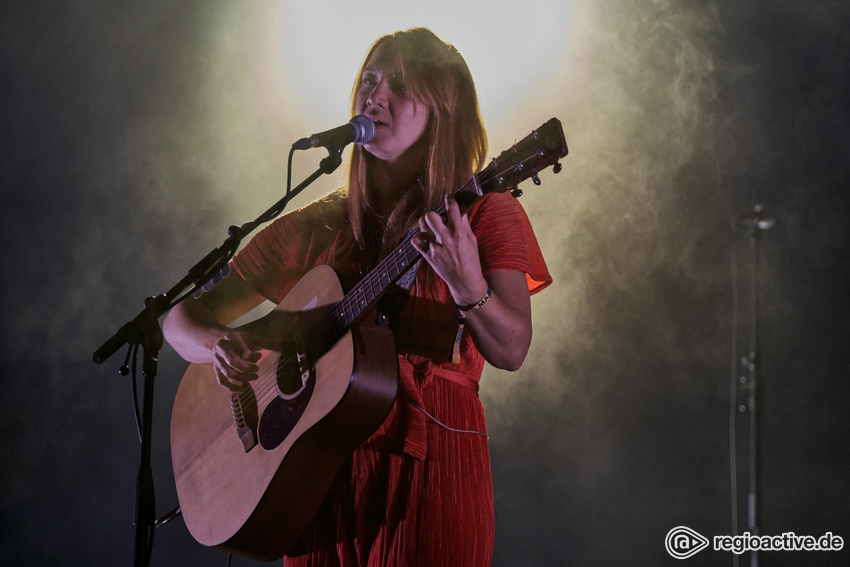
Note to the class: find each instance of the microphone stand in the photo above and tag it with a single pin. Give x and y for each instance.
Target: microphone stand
(756, 221)
(144, 330)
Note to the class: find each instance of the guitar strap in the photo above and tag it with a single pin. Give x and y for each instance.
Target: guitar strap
(390, 305)
(455, 357)
(406, 280)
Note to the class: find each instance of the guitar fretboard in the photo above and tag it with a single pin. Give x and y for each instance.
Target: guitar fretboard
(541, 148)
(370, 288)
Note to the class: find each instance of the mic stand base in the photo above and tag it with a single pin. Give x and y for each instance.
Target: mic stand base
(150, 338)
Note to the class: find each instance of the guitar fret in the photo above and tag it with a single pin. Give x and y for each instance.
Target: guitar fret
(374, 287)
(364, 293)
(336, 322)
(349, 312)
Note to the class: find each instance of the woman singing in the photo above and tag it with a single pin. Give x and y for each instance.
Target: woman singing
(419, 490)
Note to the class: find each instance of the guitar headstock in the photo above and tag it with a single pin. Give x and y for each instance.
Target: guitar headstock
(542, 148)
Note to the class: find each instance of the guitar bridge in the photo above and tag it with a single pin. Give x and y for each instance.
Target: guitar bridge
(243, 406)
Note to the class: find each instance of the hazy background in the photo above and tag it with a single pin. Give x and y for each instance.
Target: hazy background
(134, 133)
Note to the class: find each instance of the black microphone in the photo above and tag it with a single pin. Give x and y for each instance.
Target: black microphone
(360, 130)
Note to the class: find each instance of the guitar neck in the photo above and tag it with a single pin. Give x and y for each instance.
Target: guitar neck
(366, 292)
(541, 148)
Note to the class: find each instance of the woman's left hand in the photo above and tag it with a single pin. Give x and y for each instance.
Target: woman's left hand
(451, 249)
(501, 329)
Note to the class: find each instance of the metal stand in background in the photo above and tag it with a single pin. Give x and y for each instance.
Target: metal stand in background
(144, 330)
(745, 405)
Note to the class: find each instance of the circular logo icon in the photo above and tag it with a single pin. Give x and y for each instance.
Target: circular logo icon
(683, 542)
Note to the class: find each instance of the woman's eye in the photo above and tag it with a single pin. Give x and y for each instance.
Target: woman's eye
(370, 80)
(397, 85)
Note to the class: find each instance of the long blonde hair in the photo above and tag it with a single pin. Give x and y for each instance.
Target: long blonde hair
(436, 75)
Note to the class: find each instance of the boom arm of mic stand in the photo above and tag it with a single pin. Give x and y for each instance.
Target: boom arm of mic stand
(132, 332)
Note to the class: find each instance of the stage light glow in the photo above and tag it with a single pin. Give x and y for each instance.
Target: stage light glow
(279, 71)
(511, 48)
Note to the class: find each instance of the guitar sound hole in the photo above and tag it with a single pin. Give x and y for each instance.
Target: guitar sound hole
(283, 412)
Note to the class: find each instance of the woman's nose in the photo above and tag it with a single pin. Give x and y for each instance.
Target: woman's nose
(378, 94)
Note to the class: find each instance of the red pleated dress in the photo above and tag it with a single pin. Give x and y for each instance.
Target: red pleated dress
(419, 491)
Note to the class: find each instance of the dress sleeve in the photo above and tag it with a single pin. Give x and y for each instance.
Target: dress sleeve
(282, 252)
(506, 240)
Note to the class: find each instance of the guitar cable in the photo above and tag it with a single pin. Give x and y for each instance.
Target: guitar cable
(444, 426)
(133, 350)
(415, 296)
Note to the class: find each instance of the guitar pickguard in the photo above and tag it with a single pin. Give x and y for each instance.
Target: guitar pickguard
(284, 411)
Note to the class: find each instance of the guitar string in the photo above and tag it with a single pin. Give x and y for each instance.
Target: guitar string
(336, 317)
(265, 385)
(263, 391)
(484, 177)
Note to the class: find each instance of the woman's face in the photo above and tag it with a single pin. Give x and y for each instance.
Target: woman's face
(382, 96)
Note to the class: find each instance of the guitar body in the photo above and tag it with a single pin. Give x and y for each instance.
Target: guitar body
(257, 499)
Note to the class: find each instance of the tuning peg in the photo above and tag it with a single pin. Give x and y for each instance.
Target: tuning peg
(557, 167)
(536, 179)
(516, 192)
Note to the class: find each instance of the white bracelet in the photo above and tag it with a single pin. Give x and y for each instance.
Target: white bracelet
(480, 303)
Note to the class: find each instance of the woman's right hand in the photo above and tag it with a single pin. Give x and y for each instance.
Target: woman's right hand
(235, 357)
(198, 331)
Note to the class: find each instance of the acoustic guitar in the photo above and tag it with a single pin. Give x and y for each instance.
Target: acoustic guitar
(252, 468)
